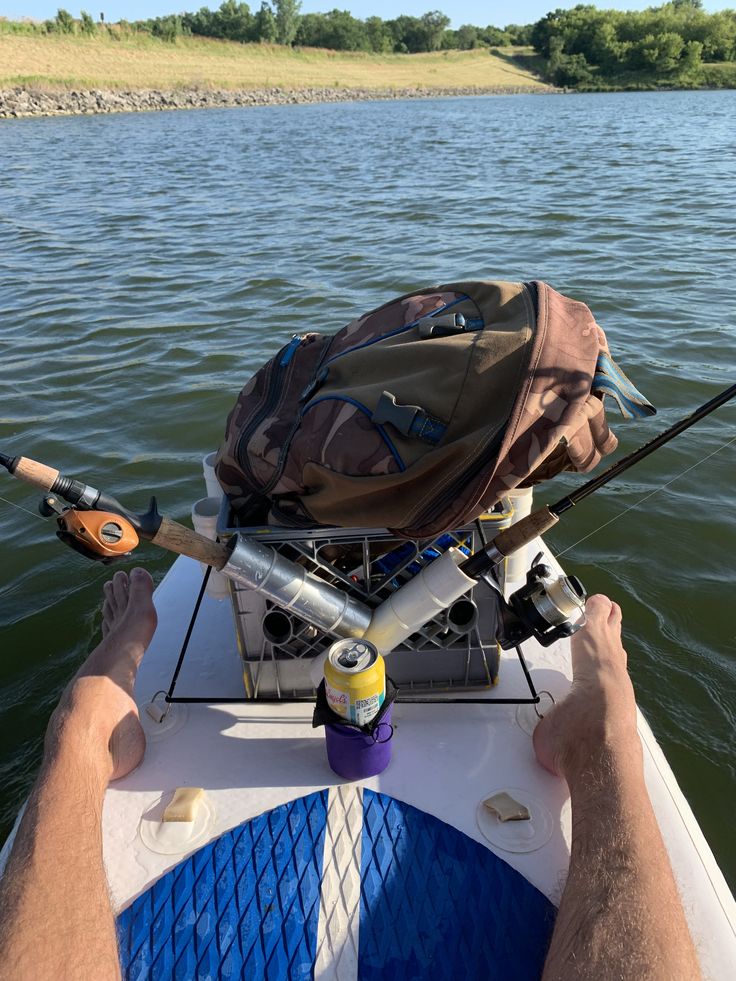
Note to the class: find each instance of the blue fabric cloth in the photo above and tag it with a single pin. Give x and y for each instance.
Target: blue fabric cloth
(610, 380)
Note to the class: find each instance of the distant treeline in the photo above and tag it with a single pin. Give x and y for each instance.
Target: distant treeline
(280, 22)
(582, 48)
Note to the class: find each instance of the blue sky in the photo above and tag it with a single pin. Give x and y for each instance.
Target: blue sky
(498, 12)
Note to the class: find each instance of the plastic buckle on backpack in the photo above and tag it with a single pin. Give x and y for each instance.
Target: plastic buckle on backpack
(409, 420)
(444, 326)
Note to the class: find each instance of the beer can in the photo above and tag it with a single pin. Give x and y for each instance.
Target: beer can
(355, 680)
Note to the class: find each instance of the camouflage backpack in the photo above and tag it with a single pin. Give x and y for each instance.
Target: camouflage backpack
(419, 415)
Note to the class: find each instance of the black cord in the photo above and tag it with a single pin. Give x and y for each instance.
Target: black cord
(298, 699)
(187, 638)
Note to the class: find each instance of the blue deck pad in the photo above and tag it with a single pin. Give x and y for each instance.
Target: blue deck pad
(437, 905)
(245, 905)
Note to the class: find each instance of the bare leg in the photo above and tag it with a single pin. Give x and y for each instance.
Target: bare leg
(620, 915)
(55, 915)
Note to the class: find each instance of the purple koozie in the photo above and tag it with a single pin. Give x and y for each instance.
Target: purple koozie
(354, 754)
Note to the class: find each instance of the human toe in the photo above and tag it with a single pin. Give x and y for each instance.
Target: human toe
(110, 600)
(108, 617)
(598, 608)
(120, 590)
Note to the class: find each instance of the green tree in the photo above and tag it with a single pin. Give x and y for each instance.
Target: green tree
(657, 52)
(494, 37)
(692, 59)
(167, 28)
(467, 37)
(88, 26)
(519, 33)
(64, 22)
(433, 26)
(233, 21)
(264, 26)
(337, 30)
(378, 35)
(555, 57)
(287, 20)
(202, 23)
(572, 71)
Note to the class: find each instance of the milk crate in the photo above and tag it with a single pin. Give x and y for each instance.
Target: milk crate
(455, 651)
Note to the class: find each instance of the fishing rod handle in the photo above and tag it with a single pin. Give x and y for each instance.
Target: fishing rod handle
(178, 538)
(509, 541)
(520, 534)
(32, 472)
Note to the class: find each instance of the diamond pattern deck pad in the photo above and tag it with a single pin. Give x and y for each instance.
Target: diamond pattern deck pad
(245, 905)
(405, 897)
(437, 905)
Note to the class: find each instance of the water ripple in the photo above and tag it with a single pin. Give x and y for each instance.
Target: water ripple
(149, 263)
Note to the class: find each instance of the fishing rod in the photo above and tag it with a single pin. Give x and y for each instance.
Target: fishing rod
(539, 522)
(99, 526)
(548, 606)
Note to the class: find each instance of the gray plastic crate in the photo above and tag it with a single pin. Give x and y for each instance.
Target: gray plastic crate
(278, 648)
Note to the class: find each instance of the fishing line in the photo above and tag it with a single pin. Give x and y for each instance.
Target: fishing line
(651, 494)
(33, 514)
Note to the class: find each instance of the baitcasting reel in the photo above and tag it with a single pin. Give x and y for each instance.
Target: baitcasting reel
(99, 535)
(547, 607)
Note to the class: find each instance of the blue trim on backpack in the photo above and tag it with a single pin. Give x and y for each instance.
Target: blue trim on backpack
(425, 427)
(399, 330)
(290, 349)
(363, 408)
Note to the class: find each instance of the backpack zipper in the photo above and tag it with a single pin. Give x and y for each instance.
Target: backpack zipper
(398, 330)
(280, 369)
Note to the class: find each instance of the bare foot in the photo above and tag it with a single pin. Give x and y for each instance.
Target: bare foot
(600, 710)
(97, 709)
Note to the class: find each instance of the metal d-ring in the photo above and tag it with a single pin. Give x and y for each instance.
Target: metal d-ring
(168, 704)
(543, 692)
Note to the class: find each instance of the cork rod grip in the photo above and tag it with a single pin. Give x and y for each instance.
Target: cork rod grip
(177, 538)
(35, 473)
(525, 531)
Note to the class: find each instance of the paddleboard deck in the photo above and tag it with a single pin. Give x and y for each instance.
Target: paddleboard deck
(289, 871)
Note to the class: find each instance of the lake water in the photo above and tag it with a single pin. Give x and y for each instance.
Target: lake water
(149, 263)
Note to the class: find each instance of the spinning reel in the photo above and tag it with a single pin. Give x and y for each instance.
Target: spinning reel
(548, 606)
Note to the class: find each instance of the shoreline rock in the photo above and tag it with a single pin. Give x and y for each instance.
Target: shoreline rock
(21, 101)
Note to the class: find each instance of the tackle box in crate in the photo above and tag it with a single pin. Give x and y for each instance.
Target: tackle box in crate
(454, 651)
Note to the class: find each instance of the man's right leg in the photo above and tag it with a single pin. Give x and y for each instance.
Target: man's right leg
(620, 915)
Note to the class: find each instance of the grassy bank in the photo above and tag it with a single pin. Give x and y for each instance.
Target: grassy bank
(142, 62)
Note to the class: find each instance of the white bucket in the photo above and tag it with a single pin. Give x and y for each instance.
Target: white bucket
(211, 482)
(204, 519)
(517, 564)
